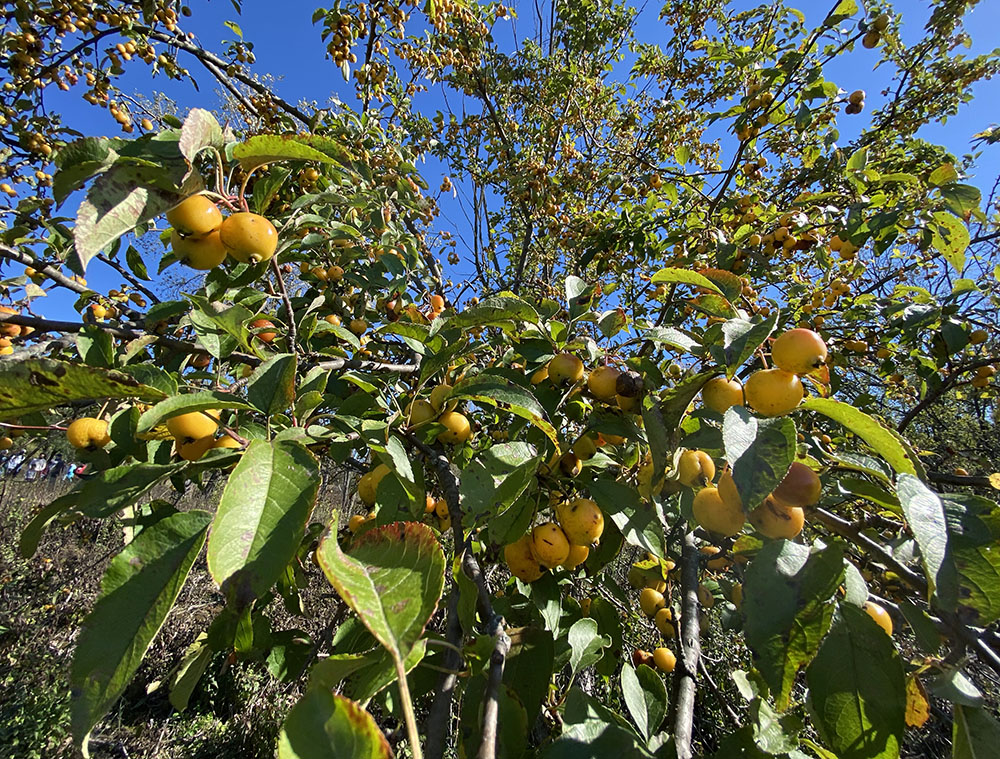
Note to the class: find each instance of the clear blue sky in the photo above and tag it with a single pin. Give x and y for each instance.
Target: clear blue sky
(288, 47)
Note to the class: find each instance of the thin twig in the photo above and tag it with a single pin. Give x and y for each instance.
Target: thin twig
(292, 333)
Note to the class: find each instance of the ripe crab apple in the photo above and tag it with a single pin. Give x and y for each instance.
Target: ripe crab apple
(695, 468)
(521, 561)
(549, 545)
(582, 521)
(194, 425)
(773, 392)
(457, 428)
(773, 520)
(800, 486)
(87, 433)
(201, 252)
(421, 412)
(664, 659)
(651, 601)
(565, 368)
(716, 515)
(577, 555)
(719, 394)
(368, 484)
(602, 382)
(267, 335)
(880, 615)
(195, 215)
(798, 351)
(249, 237)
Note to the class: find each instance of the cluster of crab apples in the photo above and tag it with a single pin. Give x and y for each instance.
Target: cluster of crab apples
(194, 433)
(203, 238)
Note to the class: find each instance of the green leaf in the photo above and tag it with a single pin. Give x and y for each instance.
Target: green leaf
(392, 578)
(882, 440)
(586, 644)
(788, 606)
(203, 400)
(96, 347)
(638, 519)
(924, 629)
(943, 174)
(192, 666)
(592, 731)
(78, 162)
(645, 696)
(975, 734)
(843, 11)
(741, 337)
(201, 130)
(950, 237)
(925, 516)
(497, 477)
(323, 725)
(100, 496)
(973, 537)
(495, 312)
(271, 388)
(676, 401)
(528, 667)
(268, 148)
(120, 199)
(137, 592)
(43, 384)
(685, 277)
(262, 517)
(759, 451)
(857, 692)
(502, 393)
(672, 337)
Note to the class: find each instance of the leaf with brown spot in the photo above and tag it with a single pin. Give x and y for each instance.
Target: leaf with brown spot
(43, 384)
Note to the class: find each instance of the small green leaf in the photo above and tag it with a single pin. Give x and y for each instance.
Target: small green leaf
(759, 451)
(950, 237)
(497, 477)
(645, 696)
(882, 440)
(323, 725)
(586, 644)
(392, 578)
(975, 734)
(925, 516)
(262, 517)
(138, 590)
(684, 277)
(271, 388)
(857, 692)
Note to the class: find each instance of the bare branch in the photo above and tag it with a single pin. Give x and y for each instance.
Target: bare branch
(690, 640)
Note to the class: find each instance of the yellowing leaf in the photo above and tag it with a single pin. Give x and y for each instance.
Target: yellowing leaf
(918, 710)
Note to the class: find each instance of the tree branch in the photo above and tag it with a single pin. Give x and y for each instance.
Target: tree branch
(52, 325)
(133, 280)
(690, 640)
(958, 628)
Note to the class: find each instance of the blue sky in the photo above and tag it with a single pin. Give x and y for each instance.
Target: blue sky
(288, 47)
